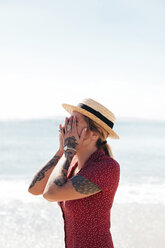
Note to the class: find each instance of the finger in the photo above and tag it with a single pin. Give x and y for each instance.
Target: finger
(82, 134)
(61, 129)
(70, 124)
(74, 127)
(70, 120)
(66, 123)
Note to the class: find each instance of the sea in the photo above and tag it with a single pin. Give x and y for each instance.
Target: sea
(138, 211)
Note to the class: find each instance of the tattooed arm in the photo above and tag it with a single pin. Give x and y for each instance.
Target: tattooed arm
(59, 188)
(60, 178)
(71, 142)
(39, 181)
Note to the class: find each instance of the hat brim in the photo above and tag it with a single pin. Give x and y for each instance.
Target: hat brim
(70, 108)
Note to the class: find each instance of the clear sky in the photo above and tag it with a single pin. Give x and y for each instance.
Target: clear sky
(63, 51)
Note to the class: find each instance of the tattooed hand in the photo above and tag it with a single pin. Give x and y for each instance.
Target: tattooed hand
(71, 137)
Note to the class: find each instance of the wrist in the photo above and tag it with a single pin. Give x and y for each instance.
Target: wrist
(60, 152)
(69, 154)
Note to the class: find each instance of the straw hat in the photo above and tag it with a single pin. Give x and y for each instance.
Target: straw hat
(97, 112)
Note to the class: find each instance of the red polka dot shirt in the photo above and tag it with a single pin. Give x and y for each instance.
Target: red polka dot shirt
(87, 220)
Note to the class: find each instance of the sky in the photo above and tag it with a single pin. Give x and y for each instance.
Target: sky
(54, 52)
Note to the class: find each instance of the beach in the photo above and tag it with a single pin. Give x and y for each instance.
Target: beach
(138, 212)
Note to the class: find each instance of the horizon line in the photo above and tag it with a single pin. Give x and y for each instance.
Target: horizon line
(121, 118)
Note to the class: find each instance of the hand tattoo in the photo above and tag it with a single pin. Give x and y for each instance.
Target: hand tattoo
(71, 142)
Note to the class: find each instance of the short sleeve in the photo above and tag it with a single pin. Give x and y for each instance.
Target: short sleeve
(105, 174)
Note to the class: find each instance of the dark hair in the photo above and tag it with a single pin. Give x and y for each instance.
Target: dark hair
(93, 126)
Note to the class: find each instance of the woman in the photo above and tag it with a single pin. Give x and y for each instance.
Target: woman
(87, 181)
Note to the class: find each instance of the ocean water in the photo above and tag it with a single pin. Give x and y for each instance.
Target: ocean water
(138, 212)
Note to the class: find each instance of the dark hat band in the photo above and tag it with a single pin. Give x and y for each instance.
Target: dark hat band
(96, 113)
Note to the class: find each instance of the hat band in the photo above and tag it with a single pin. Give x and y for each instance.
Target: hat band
(96, 113)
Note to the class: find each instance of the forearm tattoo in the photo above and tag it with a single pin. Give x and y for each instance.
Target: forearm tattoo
(71, 142)
(83, 185)
(62, 178)
(47, 167)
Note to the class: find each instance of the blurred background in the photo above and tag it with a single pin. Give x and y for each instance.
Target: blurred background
(54, 52)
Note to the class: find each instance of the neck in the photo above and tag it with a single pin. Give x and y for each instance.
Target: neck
(84, 154)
